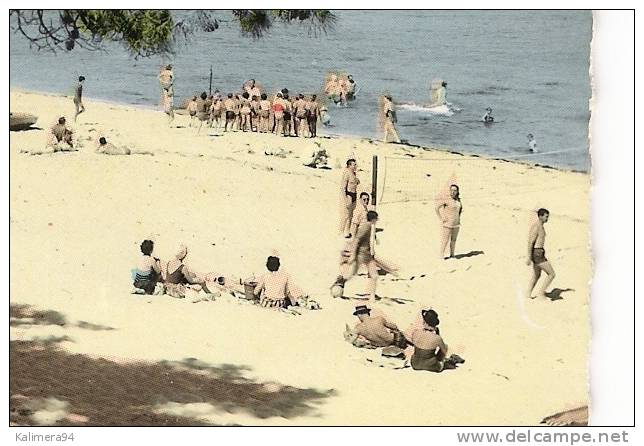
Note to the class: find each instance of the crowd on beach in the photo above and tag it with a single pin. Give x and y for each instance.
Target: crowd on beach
(251, 110)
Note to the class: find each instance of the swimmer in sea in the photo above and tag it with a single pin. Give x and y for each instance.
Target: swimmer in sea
(532, 143)
(487, 117)
(537, 254)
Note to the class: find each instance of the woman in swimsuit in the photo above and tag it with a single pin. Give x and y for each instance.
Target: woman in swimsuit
(449, 213)
(175, 278)
(148, 270)
(429, 351)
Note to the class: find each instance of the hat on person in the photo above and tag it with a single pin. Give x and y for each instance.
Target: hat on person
(361, 309)
(430, 317)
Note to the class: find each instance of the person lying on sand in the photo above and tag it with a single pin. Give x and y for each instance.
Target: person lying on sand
(377, 330)
(319, 159)
(107, 148)
(429, 350)
(148, 270)
(276, 288)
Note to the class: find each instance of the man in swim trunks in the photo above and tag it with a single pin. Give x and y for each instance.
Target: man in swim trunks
(230, 107)
(60, 137)
(313, 113)
(537, 254)
(78, 97)
(300, 124)
(377, 329)
(348, 196)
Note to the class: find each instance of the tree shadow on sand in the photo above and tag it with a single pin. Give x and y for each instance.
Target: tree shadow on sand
(102, 392)
(21, 314)
(556, 293)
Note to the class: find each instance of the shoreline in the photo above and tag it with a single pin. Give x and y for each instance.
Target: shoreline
(406, 144)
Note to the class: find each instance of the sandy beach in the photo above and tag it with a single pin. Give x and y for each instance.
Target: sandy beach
(77, 220)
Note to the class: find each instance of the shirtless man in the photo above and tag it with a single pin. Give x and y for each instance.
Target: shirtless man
(313, 113)
(192, 109)
(230, 107)
(537, 254)
(107, 148)
(288, 115)
(264, 113)
(78, 97)
(360, 213)
(299, 122)
(348, 196)
(376, 329)
(251, 88)
(279, 105)
(244, 112)
(166, 80)
(390, 120)
(361, 252)
(449, 213)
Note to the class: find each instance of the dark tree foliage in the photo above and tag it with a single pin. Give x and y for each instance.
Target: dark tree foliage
(146, 32)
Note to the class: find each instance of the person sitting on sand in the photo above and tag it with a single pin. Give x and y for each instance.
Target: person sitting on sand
(60, 137)
(429, 350)
(276, 288)
(360, 212)
(148, 270)
(107, 148)
(449, 212)
(537, 254)
(177, 275)
(377, 330)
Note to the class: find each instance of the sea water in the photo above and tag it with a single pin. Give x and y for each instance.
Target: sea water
(530, 67)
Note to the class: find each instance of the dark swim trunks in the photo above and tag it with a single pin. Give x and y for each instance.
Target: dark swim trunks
(230, 115)
(539, 256)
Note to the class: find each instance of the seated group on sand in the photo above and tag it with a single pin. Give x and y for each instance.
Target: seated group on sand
(421, 344)
(275, 289)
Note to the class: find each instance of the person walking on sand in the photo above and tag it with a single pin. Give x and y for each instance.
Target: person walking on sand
(166, 80)
(449, 212)
(78, 97)
(389, 120)
(348, 196)
(537, 254)
(360, 212)
(361, 252)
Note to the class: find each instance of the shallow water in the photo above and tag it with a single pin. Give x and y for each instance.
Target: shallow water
(531, 67)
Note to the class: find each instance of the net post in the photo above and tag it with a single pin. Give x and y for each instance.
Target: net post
(374, 179)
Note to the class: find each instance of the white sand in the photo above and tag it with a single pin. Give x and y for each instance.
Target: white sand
(77, 220)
